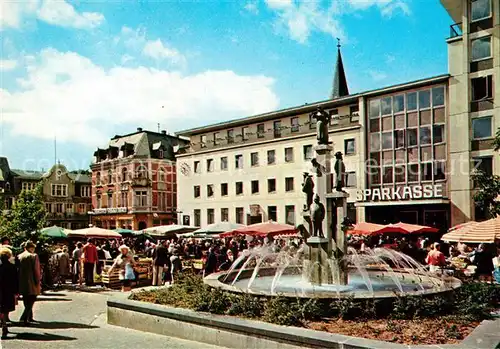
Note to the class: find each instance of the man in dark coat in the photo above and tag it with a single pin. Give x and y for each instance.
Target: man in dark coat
(211, 265)
(29, 280)
(160, 260)
(9, 288)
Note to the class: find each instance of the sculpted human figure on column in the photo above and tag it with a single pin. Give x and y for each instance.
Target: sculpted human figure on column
(322, 122)
(308, 189)
(318, 215)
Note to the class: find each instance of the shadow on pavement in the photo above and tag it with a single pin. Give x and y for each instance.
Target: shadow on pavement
(41, 337)
(58, 325)
(52, 299)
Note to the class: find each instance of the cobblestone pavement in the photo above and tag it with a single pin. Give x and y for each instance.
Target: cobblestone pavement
(70, 319)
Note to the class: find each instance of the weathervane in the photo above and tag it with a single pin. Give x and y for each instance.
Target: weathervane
(338, 43)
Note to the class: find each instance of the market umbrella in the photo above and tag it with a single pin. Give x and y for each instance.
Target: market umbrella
(122, 231)
(482, 232)
(166, 231)
(218, 228)
(413, 228)
(55, 232)
(366, 228)
(462, 225)
(262, 230)
(94, 232)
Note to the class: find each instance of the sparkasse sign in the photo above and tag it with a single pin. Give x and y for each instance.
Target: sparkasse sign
(414, 192)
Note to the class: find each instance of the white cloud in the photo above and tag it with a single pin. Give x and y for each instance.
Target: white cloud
(13, 13)
(126, 58)
(390, 9)
(377, 75)
(68, 95)
(252, 7)
(387, 7)
(158, 51)
(389, 58)
(7, 64)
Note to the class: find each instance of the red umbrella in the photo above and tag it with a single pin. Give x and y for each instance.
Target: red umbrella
(463, 225)
(365, 228)
(262, 230)
(413, 228)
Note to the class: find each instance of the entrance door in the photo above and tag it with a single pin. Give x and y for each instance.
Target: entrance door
(254, 219)
(410, 217)
(142, 225)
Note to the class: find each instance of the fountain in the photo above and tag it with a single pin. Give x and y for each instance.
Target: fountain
(324, 267)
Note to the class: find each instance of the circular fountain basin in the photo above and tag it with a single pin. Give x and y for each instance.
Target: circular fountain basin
(374, 284)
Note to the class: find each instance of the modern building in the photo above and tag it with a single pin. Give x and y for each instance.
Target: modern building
(474, 96)
(134, 181)
(66, 194)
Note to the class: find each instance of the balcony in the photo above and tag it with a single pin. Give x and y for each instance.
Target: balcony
(141, 182)
(455, 30)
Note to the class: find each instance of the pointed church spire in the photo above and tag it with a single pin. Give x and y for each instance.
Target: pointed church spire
(340, 88)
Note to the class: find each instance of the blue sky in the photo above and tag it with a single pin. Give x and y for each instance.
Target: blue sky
(85, 71)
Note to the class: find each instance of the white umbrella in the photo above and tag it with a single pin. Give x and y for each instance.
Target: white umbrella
(169, 230)
(94, 232)
(217, 228)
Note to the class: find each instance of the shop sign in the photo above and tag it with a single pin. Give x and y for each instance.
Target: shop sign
(414, 192)
(110, 210)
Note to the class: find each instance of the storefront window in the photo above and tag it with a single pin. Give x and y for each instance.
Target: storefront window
(387, 140)
(374, 142)
(400, 173)
(386, 105)
(411, 101)
(425, 135)
(413, 173)
(426, 171)
(387, 176)
(398, 103)
(399, 138)
(438, 96)
(438, 133)
(424, 99)
(439, 170)
(374, 173)
(412, 137)
(374, 108)
(375, 125)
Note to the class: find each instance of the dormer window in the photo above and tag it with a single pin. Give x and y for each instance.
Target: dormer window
(161, 154)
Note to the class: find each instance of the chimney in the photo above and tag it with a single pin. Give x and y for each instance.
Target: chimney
(163, 132)
(139, 129)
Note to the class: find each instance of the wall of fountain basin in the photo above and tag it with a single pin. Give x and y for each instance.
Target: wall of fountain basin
(292, 283)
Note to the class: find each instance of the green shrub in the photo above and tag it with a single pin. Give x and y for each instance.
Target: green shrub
(245, 305)
(281, 311)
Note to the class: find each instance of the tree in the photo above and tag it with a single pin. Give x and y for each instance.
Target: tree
(488, 187)
(26, 217)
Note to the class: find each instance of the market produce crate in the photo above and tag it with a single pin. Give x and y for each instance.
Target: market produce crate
(111, 280)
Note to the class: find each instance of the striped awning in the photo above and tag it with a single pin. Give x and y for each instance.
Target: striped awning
(482, 232)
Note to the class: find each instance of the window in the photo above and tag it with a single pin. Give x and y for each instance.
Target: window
(353, 109)
(271, 157)
(81, 208)
(98, 178)
(255, 187)
(480, 9)
(244, 133)
(398, 103)
(197, 218)
(98, 197)
(308, 152)
(161, 154)
(295, 124)
(110, 198)
(48, 207)
(59, 208)
(30, 186)
(351, 179)
(210, 165)
(438, 96)
(239, 215)
(271, 185)
(141, 198)
(289, 184)
(484, 164)
(290, 214)
(400, 173)
(230, 136)
(239, 188)
(60, 190)
(110, 176)
(386, 106)
(162, 201)
(312, 122)
(439, 170)
(272, 213)
(334, 117)
(374, 108)
(223, 189)
(197, 191)
(412, 137)
(411, 101)
(210, 216)
(224, 214)
(424, 99)
(142, 172)
(277, 129)
(216, 138)
(85, 191)
(124, 199)
(223, 163)
(69, 208)
(438, 133)
(413, 172)
(261, 131)
(203, 141)
(399, 139)
(238, 161)
(254, 159)
(349, 146)
(481, 128)
(426, 169)
(481, 48)
(387, 140)
(197, 167)
(425, 135)
(210, 190)
(124, 174)
(374, 142)
(161, 175)
(482, 88)
(288, 154)
(387, 174)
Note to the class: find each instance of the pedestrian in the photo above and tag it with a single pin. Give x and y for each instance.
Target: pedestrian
(483, 259)
(211, 265)
(435, 259)
(9, 288)
(29, 280)
(90, 259)
(160, 257)
(125, 263)
(176, 262)
(64, 265)
(76, 260)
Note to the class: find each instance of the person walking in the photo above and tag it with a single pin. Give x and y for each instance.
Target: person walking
(160, 257)
(125, 263)
(29, 280)
(435, 259)
(176, 265)
(90, 259)
(64, 264)
(9, 288)
(76, 260)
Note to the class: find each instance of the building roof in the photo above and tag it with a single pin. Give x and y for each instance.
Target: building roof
(306, 108)
(339, 88)
(39, 175)
(28, 174)
(4, 169)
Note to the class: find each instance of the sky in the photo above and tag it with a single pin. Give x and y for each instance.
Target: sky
(80, 72)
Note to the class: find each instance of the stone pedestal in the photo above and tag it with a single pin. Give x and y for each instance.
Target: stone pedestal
(338, 202)
(317, 266)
